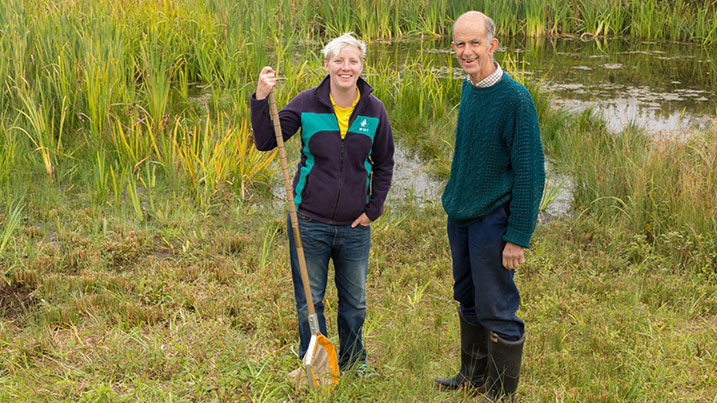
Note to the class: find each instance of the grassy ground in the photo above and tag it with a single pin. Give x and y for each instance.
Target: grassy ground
(99, 308)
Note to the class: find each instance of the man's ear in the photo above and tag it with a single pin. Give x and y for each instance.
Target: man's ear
(493, 45)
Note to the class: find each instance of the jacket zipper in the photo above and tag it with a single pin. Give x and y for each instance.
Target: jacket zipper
(341, 182)
(341, 158)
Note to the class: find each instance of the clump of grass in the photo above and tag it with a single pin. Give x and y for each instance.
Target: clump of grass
(656, 187)
(40, 117)
(13, 219)
(535, 18)
(8, 150)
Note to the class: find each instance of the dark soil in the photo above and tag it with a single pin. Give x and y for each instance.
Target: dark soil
(15, 300)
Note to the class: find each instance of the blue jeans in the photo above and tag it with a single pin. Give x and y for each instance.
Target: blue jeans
(349, 249)
(484, 288)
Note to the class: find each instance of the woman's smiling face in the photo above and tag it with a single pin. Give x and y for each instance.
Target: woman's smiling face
(345, 68)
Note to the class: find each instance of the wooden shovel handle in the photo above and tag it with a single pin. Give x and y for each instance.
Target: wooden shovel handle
(290, 199)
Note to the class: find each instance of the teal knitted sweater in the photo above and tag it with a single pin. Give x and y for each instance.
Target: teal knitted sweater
(498, 159)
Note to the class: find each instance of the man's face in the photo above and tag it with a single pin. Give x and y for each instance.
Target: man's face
(345, 68)
(473, 51)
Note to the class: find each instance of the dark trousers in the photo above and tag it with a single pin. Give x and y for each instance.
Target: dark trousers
(484, 288)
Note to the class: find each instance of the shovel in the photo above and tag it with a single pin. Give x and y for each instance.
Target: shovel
(320, 363)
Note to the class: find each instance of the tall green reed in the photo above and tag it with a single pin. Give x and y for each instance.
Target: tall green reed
(100, 179)
(422, 18)
(593, 18)
(135, 202)
(101, 84)
(39, 118)
(371, 22)
(337, 16)
(64, 80)
(560, 18)
(8, 151)
(134, 142)
(535, 18)
(157, 68)
(705, 25)
(646, 19)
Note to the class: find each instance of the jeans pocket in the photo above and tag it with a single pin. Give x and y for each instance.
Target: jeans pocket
(303, 218)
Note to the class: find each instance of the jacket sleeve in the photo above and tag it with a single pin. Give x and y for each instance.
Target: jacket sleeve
(262, 126)
(382, 172)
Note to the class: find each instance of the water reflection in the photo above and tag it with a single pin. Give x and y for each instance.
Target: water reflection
(411, 180)
(664, 87)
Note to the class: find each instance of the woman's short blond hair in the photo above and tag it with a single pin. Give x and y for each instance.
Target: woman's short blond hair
(335, 45)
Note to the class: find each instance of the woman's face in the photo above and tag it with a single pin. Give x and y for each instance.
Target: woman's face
(345, 68)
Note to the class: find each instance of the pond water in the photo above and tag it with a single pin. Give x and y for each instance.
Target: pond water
(666, 88)
(663, 87)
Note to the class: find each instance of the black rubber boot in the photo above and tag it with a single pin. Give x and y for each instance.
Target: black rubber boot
(504, 359)
(474, 359)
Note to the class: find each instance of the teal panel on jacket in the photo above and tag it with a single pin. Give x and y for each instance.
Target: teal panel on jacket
(312, 123)
(365, 125)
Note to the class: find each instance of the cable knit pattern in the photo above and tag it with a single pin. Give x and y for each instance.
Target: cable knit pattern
(498, 159)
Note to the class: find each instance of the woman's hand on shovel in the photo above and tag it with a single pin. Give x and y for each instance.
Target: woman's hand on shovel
(267, 81)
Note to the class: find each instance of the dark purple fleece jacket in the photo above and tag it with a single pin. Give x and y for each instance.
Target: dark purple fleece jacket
(337, 179)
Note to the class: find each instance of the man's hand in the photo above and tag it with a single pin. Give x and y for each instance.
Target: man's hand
(361, 220)
(512, 256)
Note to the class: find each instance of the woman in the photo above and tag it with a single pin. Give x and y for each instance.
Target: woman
(340, 185)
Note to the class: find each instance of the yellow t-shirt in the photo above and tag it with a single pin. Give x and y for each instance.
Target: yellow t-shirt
(343, 114)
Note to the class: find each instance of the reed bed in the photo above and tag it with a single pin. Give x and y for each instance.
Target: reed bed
(661, 191)
(82, 66)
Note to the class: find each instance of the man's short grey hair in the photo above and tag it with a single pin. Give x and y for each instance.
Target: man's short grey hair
(489, 28)
(489, 25)
(335, 45)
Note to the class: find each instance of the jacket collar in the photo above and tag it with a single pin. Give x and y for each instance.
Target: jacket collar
(323, 90)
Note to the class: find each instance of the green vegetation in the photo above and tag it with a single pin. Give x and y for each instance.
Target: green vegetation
(645, 19)
(142, 257)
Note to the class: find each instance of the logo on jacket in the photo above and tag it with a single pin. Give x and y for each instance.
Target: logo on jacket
(364, 125)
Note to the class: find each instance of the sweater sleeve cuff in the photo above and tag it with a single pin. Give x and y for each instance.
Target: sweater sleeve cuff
(517, 237)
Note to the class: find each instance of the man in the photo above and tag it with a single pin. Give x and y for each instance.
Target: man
(491, 199)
